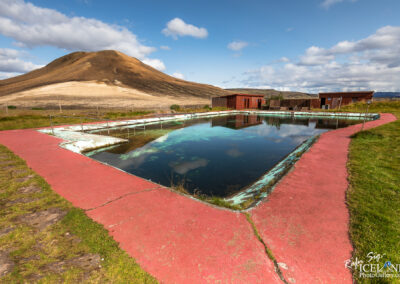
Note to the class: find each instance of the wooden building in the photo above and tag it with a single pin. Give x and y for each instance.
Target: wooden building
(294, 104)
(335, 100)
(239, 101)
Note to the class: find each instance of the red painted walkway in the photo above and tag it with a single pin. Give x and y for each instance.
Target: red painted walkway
(180, 240)
(305, 220)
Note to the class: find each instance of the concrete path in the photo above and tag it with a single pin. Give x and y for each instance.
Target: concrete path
(305, 220)
(179, 240)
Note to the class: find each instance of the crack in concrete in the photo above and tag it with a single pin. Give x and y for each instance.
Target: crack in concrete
(122, 196)
(267, 250)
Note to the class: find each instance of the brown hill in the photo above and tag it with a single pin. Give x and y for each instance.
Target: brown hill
(268, 93)
(112, 68)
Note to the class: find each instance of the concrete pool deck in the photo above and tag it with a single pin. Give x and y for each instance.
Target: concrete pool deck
(304, 221)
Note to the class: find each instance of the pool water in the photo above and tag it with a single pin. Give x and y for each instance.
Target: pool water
(216, 156)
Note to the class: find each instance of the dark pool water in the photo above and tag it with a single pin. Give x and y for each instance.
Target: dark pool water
(215, 156)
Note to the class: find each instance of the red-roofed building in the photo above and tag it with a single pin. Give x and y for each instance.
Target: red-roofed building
(239, 101)
(334, 100)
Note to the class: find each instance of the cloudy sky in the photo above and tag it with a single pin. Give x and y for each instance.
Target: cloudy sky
(307, 45)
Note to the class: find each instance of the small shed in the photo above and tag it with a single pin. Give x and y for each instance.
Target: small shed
(239, 101)
(334, 100)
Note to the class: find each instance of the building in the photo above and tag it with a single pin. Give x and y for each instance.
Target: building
(335, 100)
(294, 104)
(239, 101)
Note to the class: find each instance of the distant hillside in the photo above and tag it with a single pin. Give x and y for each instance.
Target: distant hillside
(270, 92)
(110, 67)
(387, 95)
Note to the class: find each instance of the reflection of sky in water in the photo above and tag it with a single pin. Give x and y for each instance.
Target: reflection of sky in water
(215, 160)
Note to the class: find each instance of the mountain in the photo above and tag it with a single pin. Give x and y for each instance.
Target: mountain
(268, 93)
(112, 68)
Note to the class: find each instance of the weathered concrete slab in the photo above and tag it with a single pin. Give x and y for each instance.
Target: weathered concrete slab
(180, 240)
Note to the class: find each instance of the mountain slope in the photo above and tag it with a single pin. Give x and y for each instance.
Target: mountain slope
(112, 68)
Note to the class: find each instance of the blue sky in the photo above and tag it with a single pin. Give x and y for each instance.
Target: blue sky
(308, 45)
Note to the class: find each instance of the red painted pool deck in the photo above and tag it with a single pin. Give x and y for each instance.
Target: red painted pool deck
(304, 221)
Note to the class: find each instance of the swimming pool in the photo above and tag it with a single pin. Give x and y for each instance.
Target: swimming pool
(215, 156)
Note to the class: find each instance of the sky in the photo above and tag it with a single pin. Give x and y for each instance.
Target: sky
(308, 45)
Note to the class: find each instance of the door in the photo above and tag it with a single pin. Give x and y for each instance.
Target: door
(246, 103)
(322, 102)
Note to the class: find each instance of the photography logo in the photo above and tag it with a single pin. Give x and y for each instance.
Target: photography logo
(374, 265)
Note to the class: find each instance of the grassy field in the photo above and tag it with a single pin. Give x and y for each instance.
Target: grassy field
(44, 238)
(374, 194)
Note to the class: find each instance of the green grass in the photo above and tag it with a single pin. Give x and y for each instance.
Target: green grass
(34, 121)
(34, 251)
(374, 194)
(34, 118)
(38, 117)
(117, 115)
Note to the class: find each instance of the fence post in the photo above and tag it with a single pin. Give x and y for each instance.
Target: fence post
(6, 108)
(59, 104)
(81, 124)
(365, 114)
(51, 124)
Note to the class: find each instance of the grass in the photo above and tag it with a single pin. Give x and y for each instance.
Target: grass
(37, 253)
(374, 194)
(34, 118)
(39, 117)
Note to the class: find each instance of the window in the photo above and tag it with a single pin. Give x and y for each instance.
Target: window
(329, 99)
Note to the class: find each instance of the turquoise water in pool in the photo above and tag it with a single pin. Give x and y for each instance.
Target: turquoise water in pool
(216, 156)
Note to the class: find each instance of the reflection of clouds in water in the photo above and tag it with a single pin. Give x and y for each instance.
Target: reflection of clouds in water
(145, 150)
(233, 152)
(183, 167)
(299, 138)
(161, 139)
(295, 132)
(137, 157)
(274, 139)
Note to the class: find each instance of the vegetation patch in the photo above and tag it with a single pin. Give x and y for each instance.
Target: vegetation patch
(43, 238)
(374, 194)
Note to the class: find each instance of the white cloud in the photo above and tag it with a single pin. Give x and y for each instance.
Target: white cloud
(328, 3)
(165, 47)
(177, 27)
(316, 56)
(284, 59)
(11, 63)
(32, 26)
(155, 63)
(237, 45)
(178, 75)
(369, 63)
